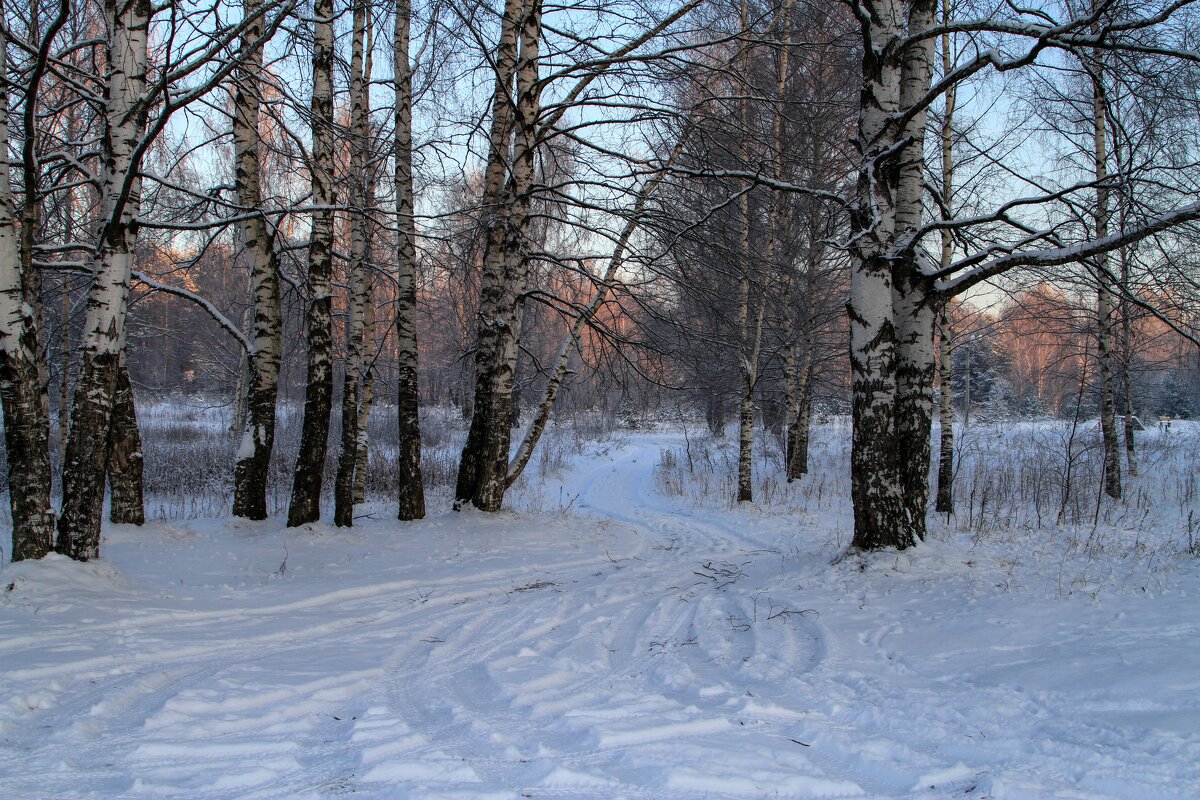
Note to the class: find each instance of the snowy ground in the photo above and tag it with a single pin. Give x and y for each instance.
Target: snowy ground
(628, 646)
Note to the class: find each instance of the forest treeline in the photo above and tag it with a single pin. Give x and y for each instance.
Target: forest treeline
(915, 208)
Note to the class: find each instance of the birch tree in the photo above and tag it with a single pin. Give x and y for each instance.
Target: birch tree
(945, 332)
(604, 289)
(822, 162)
(263, 359)
(126, 484)
(749, 326)
(360, 287)
(519, 128)
(26, 418)
(483, 467)
(305, 504)
(891, 342)
(879, 519)
(104, 330)
(1105, 303)
(411, 489)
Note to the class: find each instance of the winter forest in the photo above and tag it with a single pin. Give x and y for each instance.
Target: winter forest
(622, 398)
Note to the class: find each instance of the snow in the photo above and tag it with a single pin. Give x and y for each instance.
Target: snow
(638, 645)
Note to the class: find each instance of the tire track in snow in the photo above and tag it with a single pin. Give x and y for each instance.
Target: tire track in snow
(602, 666)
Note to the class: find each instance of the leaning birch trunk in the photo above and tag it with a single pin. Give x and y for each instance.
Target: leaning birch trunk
(411, 492)
(484, 466)
(537, 426)
(913, 298)
(26, 428)
(356, 328)
(125, 479)
(944, 503)
(262, 362)
(318, 393)
(1105, 307)
(874, 462)
(108, 297)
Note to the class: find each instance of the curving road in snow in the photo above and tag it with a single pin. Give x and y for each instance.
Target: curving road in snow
(627, 647)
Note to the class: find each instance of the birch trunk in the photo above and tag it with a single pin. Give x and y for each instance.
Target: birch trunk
(412, 485)
(1126, 358)
(537, 425)
(366, 400)
(108, 298)
(26, 427)
(803, 425)
(753, 341)
(791, 386)
(318, 394)
(31, 216)
(944, 503)
(795, 373)
(262, 362)
(747, 354)
(915, 368)
(875, 470)
(364, 417)
(356, 328)
(64, 358)
(914, 302)
(483, 471)
(748, 340)
(1105, 310)
(945, 477)
(71, 213)
(125, 479)
(800, 357)
(494, 288)
(1105, 307)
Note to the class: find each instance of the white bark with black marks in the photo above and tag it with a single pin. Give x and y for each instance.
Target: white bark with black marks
(483, 469)
(749, 332)
(1105, 305)
(126, 482)
(108, 298)
(411, 490)
(26, 427)
(307, 479)
(604, 288)
(360, 286)
(944, 502)
(876, 486)
(913, 299)
(366, 401)
(262, 361)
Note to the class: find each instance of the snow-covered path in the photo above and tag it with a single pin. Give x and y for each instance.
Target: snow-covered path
(627, 648)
